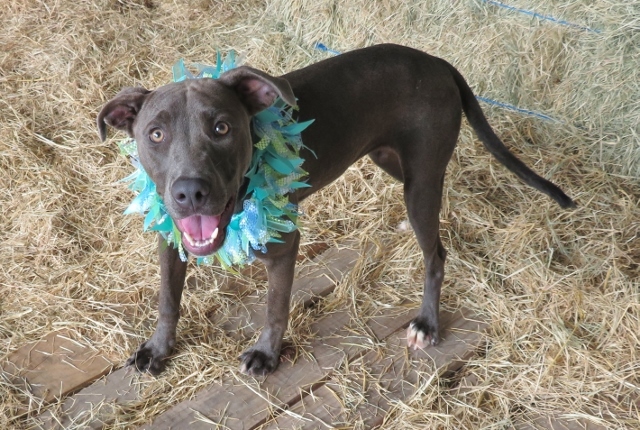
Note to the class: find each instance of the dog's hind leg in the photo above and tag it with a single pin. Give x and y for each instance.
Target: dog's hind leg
(423, 195)
(387, 159)
(423, 201)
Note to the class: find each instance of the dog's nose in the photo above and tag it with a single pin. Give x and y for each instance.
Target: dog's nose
(190, 193)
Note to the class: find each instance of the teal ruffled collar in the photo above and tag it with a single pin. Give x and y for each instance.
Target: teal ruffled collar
(275, 171)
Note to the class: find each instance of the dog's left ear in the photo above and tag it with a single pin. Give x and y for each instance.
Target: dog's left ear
(256, 89)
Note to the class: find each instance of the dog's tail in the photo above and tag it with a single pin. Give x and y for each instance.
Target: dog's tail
(495, 146)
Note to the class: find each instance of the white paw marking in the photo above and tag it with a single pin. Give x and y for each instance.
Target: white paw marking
(404, 226)
(417, 338)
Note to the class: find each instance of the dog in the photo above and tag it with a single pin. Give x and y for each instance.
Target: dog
(400, 106)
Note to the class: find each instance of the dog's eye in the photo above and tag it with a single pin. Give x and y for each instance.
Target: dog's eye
(222, 128)
(156, 135)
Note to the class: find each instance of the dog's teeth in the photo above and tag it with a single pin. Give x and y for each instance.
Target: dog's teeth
(200, 243)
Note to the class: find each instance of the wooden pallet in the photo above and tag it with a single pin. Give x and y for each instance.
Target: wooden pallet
(54, 367)
(300, 394)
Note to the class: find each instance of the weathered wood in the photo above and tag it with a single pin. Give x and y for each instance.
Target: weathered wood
(54, 366)
(393, 374)
(257, 272)
(319, 408)
(402, 369)
(93, 406)
(238, 402)
(559, 423)
(313, 282)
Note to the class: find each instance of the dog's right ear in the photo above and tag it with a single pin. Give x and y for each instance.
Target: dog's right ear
(121, 111)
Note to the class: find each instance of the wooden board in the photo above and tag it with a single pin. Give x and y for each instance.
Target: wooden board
(257, 272)
(55, 366)
(312, 282)
(559, 423)
(393, 374)
(240, 402)
(94, 405)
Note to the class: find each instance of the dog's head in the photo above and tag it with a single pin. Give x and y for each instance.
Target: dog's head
(194, 141)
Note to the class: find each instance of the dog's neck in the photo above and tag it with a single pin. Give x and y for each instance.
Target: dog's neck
(263, 211)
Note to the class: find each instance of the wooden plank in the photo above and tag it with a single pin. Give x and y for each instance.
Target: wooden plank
(239, 402)
(93, 406)
(393, 372)
(257, 272)
(559, 423)
(319, 408)
(54, 366)
(400, 372)
(236, 400)
(313, 282)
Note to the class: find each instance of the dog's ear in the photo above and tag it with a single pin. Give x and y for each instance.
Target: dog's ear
(256, 89)
(121, 111)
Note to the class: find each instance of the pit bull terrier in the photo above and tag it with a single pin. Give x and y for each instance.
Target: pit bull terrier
(399, 106)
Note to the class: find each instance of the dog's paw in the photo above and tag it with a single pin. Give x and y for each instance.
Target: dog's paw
(147, 359)
(258, 363)
(421, 334)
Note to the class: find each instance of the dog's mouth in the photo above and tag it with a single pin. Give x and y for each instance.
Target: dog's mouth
(203, 235)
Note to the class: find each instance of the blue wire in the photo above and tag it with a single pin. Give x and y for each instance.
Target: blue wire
(540, 16)
(322, 47)
(517, 109)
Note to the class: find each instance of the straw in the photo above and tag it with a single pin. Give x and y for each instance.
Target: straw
(560, 289)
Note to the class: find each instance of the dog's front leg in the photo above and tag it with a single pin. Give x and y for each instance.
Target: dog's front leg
(151, 355)
(280, 260)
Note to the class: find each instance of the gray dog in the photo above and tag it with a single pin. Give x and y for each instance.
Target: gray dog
(399, 106)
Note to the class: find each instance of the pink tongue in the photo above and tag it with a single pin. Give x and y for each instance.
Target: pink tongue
(199, 227)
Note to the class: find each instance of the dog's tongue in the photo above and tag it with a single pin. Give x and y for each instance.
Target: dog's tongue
(199, 227)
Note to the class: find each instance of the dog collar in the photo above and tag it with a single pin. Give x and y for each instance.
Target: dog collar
(274, 172)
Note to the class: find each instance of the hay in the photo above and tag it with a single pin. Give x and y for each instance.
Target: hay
(560, 289)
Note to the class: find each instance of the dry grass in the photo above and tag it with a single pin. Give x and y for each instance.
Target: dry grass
(560, 289)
